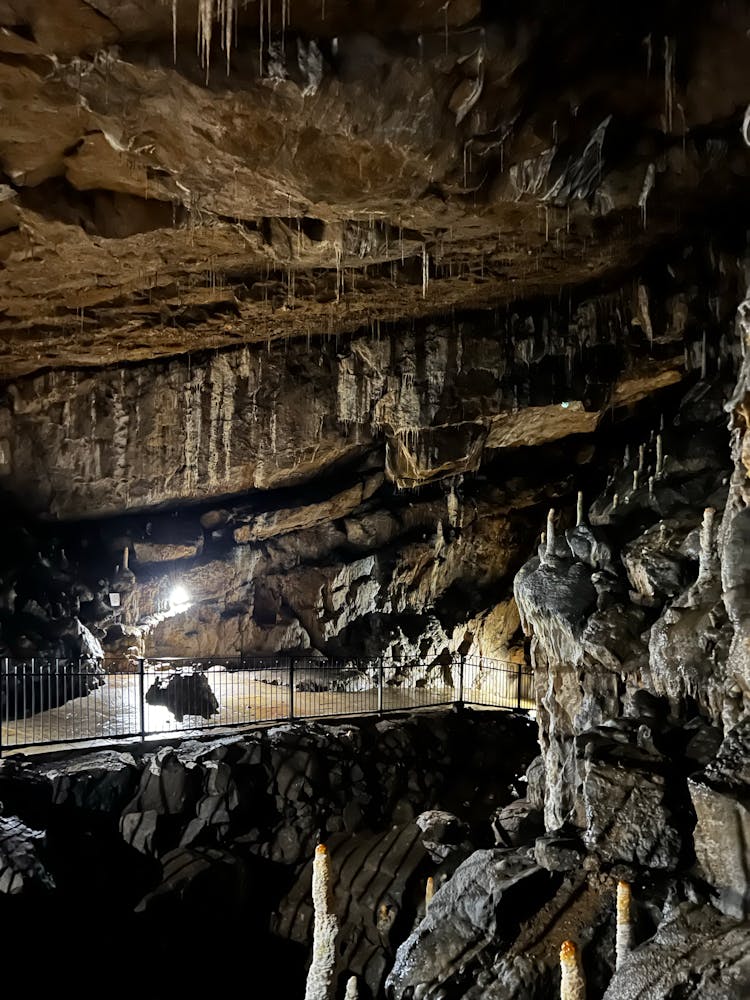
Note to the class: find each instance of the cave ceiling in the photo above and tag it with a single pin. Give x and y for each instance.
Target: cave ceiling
(318, 166)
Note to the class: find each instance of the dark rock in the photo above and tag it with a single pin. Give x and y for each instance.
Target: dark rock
(184, 694)
(559, 852)
(721, 799)
(479, 909)
(695, 953)
(20, 866)
(442, 833)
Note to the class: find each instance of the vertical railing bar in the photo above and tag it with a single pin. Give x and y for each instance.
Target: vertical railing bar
(291, 689)
(141, 697)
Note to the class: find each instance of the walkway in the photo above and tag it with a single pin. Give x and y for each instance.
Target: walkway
(45, 703)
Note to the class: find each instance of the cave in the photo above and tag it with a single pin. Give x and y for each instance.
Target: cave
(375, 459)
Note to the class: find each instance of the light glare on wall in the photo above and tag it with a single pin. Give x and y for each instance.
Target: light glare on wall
(179, 599)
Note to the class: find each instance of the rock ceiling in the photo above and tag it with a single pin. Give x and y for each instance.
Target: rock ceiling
(339, 163)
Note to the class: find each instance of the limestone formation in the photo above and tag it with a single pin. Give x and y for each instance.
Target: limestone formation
(314, 317)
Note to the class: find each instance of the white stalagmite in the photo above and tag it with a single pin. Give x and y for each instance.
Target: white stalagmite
(320, 984)
(572, 982)
(659, 455)
(615, 500)
(636, 477)
(551, 532)
(352, 993)
(624, 939)
(641, 457)
(579, 508)
(706, 545)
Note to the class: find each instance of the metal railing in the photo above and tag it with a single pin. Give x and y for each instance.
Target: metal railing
(44, 702)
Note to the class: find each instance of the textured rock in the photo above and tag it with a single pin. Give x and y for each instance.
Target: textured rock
(20, 866)
(721, 799)
(695, 953)
(482, 905)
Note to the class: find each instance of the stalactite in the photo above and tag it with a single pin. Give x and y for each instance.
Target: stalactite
(624, 939)
(320, 978)
(205, 32)
(174, 30)
(572, 982)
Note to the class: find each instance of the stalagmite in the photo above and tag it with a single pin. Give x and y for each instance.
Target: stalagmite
(641, 457)
(320, 984)
(429, 892)
(615, 500)
(706, 545)
(636, 476)
(579, 508)
(626, 457)
(659, 455)
(650, 486)
(624, 939)
(550, 550)
(352, 993)
(125, 555)
(572, 982)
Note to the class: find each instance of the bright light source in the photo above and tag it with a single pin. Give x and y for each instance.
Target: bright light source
(565, 404)
(179, 599)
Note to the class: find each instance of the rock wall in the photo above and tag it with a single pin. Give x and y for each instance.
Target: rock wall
(439, 398)
(636, 609)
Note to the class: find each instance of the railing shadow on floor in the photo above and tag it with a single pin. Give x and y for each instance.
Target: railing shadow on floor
(52, 701)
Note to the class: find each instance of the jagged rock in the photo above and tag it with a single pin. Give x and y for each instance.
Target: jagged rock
(517, 823)
(481, 907)
(558, 852)
(695, 953)
(101, 781)
(442, 833)
(634, 812)
(20, 866)
(721, 797)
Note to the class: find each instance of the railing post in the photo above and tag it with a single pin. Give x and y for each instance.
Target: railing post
(381, 678)
(461, 662)
(142, 696)
(291, 689)
(518, 689)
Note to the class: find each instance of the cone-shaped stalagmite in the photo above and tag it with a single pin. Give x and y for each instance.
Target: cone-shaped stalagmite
(352, 993)
(572, 982)
(624, 938)
(320, 985)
